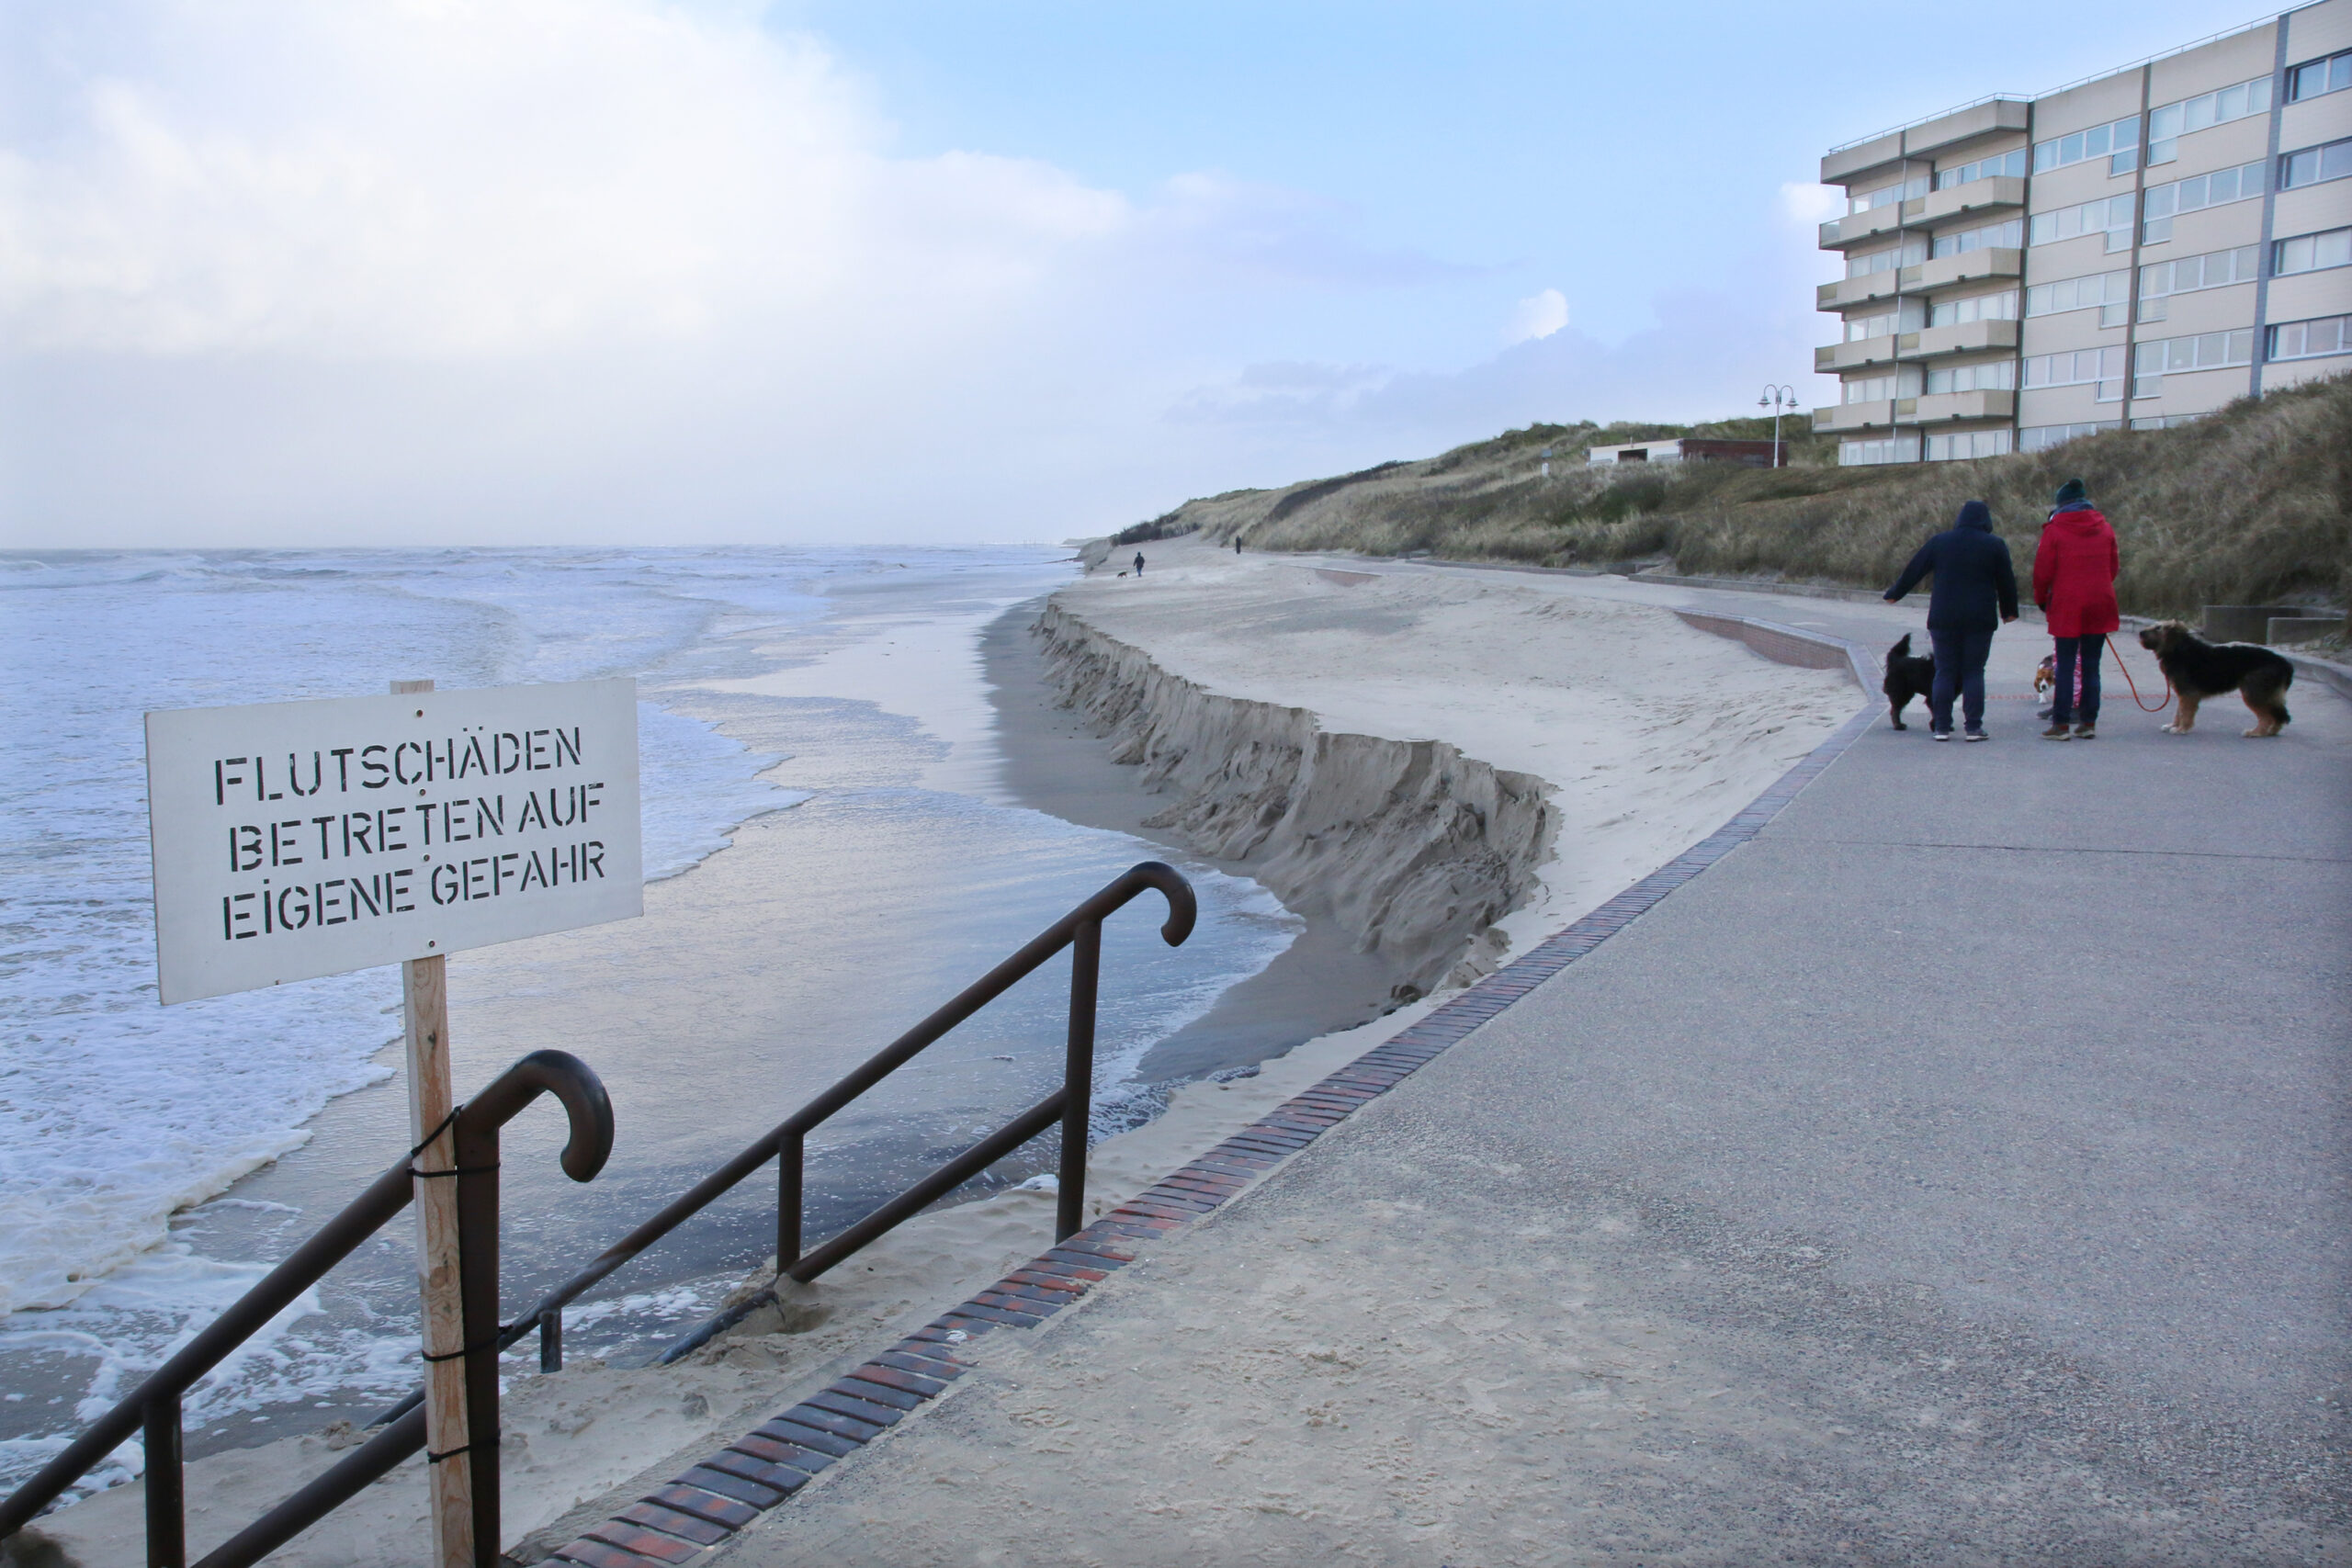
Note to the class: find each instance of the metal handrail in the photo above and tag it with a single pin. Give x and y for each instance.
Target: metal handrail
(155, 1406)
(1081, 928)
(401, 1430)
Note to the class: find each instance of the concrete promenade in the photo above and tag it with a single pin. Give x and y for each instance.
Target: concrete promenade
(1956, 1172)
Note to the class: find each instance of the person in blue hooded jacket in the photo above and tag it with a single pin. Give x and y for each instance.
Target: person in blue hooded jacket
(1974, 595)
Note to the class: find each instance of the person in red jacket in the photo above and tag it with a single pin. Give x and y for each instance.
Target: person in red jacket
(2073, 581)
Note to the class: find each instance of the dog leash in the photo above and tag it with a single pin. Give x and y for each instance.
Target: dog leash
(2143, 706)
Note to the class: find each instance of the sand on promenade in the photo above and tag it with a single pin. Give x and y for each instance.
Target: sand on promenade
(1646, 733)
(1950, 1175)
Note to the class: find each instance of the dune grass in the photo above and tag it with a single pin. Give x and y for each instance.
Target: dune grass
(2250, 505)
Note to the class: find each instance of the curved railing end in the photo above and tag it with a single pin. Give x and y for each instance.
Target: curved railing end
(1184, 909)
(573, 1082)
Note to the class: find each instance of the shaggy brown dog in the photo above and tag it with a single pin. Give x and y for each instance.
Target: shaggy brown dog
(2199, 669)
(1907, 676)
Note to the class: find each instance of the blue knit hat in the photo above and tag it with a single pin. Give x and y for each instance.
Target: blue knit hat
(2071, 493)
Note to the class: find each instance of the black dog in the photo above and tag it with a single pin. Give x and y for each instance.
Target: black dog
(2199, 669)
(1907, 676)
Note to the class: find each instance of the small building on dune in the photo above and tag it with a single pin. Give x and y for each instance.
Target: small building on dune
(1686, 449)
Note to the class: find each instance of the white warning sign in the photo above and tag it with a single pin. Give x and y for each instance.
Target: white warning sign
(300, 839)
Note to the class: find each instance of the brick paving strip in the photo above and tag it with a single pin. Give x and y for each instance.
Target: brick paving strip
(712, 1500)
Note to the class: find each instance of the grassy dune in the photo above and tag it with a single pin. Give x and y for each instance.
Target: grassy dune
(2252, 505)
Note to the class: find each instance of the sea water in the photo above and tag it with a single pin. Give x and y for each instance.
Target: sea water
(838, 686)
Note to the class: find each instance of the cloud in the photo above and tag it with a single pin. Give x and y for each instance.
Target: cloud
(462, 181)
(1688, 367)
(434, 271)
(1538, 316)
(1804, 203)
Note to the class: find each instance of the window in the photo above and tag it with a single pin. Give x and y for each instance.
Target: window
(1988, 237)
(1895, 449)
(2187, 275)
(2309, 340)
(2311, 252)
(2109, 215)
(1876, 389)
(1990, 376)
(2199, 191)
(2079, 294)
(1962, 445)
(2009, 164)
(1881, 323)
(2312, 164)
(2036, 437)
(2165, 421)
(2218, 108)
(1887, 194)
(2153, 360)
(2102, 368)
(2117, 141)
(2001, 306)
(2329, 75)
(1911, 253)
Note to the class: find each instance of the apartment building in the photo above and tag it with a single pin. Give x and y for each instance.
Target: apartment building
(2138, 249)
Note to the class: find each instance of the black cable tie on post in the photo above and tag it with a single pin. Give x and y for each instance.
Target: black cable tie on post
(454, 1111)
(489, 1344)
(439, 1128)
(432, 1458)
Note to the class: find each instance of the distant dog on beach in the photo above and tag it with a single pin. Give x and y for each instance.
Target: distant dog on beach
(2045, 676)
(1909, 675)
(2199, 669)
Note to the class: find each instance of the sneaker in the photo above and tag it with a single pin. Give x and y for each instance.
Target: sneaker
(2043, 713)
(2058, 732)
(1975, 735)
(2086, 732)
(1939, 735)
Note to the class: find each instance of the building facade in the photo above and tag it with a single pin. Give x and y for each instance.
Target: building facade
(2135, 249)
(1687, 449)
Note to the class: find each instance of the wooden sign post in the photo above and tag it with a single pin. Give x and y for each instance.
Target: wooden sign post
(294, 839)
(425, 1014)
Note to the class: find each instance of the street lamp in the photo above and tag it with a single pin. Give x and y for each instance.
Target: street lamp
(1777, 399)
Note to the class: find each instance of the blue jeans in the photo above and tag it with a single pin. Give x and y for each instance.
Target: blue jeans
(1960, 671)
(2077, 652)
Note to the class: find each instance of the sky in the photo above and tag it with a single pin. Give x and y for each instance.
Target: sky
(277, 273)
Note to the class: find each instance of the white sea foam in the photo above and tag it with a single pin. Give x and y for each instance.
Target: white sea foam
(116, 1114)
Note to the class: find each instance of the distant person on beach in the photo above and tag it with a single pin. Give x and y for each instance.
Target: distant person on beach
(1237, 543)
(1975, 594)
(1139, 563)
(2073, 581)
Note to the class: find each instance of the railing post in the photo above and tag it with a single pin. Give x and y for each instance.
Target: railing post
(791, 1148)
(551, 1340)
(166, 1516)
(1077, 1079)
(477, 1165)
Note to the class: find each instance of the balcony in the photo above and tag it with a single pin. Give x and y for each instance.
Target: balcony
(1856, 227)
(1936, 207)
(1880, 350)
(1840, 418)
(1968, 337)
(1928, 276)
(1849, 291)
(1977, 196)
(1943, 407)
(1947, 406)
(1945, 271)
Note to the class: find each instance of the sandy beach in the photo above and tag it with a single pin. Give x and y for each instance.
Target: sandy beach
(1621, 733)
